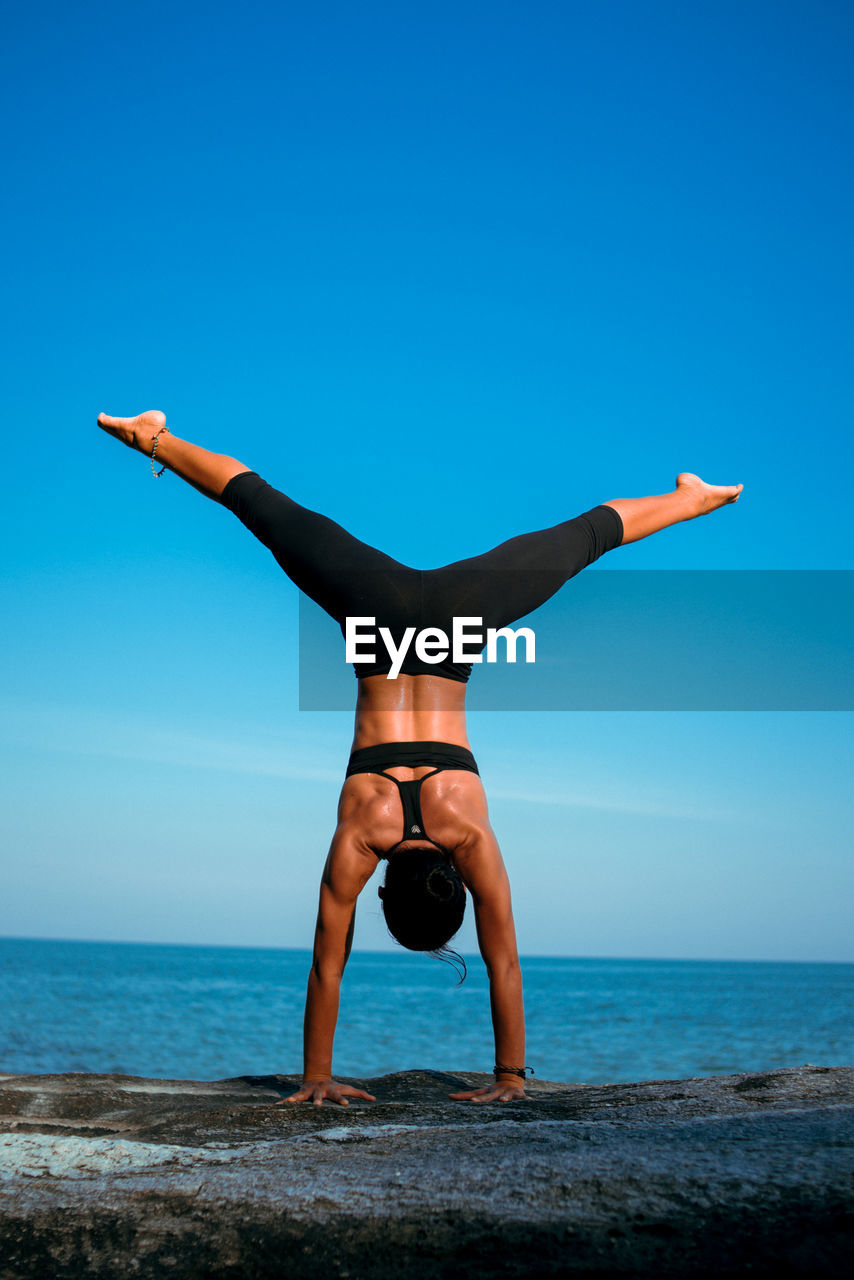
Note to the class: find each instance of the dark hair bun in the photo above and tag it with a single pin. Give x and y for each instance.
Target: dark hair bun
(424, 901)
(440, 885)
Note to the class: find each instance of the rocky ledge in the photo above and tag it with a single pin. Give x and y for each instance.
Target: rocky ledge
(748, 1175)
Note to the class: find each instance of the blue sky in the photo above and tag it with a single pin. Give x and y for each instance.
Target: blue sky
(447, 273)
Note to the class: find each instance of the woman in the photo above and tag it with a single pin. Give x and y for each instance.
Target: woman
(411, 730)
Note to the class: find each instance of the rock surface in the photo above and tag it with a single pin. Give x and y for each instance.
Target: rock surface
(107, 1176)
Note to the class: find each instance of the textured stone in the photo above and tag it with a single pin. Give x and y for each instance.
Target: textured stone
(106, 1176)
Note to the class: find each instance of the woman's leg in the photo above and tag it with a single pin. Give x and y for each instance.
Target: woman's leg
(208, 472)
(344, 576)
(692, 497)
(515, 578)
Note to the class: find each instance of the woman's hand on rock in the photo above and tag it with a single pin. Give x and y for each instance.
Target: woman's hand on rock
(318, 1091)
(498, 1092)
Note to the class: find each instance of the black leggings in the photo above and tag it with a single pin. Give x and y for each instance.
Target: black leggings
(348, 578)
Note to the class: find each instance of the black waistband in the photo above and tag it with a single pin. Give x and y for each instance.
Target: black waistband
(388, 755)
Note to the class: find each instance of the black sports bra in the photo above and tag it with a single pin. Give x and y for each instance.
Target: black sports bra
(389, 755)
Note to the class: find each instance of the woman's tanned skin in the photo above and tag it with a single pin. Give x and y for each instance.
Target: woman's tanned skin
(422, 708)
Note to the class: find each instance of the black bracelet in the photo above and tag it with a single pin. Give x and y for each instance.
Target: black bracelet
(511, 1071)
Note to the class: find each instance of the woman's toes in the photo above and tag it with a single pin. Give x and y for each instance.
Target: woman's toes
(136, 432)
(152, 418)
(706, 497)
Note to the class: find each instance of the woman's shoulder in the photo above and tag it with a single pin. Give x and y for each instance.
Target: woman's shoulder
(369, 814)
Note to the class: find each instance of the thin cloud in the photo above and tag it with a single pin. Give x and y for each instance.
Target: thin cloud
(103, 734)
(298, 757)
(617, 804)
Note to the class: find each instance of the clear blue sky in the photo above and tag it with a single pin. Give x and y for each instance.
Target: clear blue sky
(446, 272)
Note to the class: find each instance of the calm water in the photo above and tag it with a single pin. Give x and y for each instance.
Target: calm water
(214, 1012)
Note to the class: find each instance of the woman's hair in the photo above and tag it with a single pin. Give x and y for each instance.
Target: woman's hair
(424, 902)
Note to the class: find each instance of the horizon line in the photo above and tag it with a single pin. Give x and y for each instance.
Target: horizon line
(471, 955)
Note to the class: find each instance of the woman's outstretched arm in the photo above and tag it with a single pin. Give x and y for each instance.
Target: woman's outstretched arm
(482, 868)
(208, 472)
(344, 876)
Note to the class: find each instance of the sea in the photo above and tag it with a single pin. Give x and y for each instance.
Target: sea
(211, 1013)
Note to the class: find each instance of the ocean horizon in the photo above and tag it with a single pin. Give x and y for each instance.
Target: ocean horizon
(182, 1011)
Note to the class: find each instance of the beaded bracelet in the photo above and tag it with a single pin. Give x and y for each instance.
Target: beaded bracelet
(157, 474)
(511, 1071)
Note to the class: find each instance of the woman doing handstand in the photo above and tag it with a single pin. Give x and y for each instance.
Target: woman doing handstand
(410, 731)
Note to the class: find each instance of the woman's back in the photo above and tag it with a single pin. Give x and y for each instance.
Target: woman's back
(410, 709)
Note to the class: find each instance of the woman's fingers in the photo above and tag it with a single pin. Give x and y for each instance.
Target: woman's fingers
(305, 1094)
(339, 1094)
(326, 1091)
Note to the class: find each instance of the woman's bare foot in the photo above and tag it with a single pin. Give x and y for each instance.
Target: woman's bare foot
(705, 497)
(136, 433)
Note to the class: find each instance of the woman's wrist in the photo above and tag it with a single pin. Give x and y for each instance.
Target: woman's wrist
(503, 1070)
